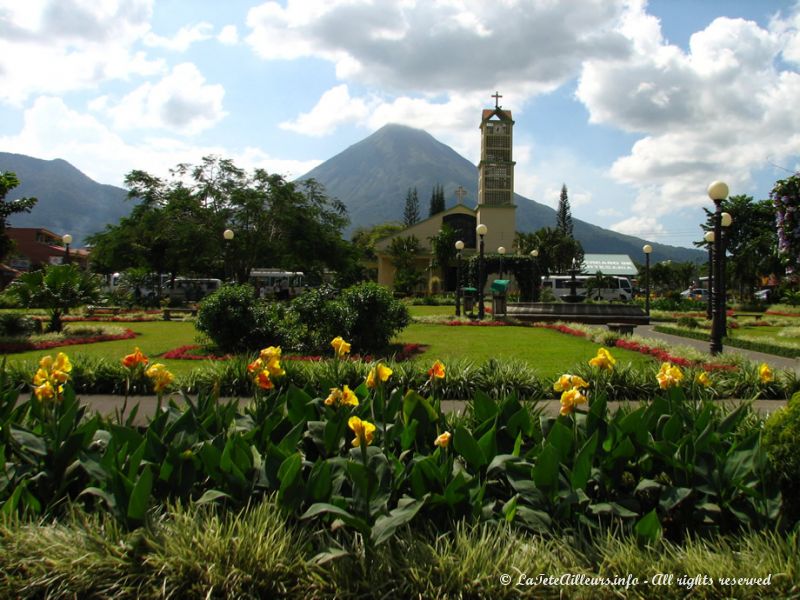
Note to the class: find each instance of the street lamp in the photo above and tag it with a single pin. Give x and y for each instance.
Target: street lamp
(481, 230)
(709, 238)
(717, 191)
(725, 220)
(502, 252)
(459, 248)
(227, 235)
(67, 239)
(647, 249)
(534, 284)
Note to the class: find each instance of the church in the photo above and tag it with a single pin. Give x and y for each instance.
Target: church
(495, 208)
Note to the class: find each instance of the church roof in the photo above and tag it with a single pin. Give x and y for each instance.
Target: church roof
(456, 208)
(488, 113)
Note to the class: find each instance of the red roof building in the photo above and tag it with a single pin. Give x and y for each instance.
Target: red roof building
(36, 247)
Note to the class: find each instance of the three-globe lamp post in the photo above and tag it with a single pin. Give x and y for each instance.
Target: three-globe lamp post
(647, 249)
(481, 230)
(459, 248)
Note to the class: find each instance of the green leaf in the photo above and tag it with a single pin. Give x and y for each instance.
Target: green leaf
(212, 496)
(319, 481)
(582, 468)
(467, 447)
(488, 443)
(560, 437)
(409, 434)
(648, 528)
(324, 508)
(386, 525)
(29, 441)
(483, 407)
(300, 407)
(137, 504)
(545, 472)
(289, 471)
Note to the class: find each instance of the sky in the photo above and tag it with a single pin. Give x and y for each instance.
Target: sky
(635, 106)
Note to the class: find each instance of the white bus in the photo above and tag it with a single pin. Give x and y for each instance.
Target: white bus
(276, 283)
(615, 288)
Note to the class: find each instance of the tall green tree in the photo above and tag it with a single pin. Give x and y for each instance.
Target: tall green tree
(564, 214)
(556, 250)
(365, 238)
(437, 204)
(8, 181)
(411, 210)
(403, 252)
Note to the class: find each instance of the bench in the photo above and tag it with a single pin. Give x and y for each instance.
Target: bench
(621, 328)
(168, 313)
(103, 310)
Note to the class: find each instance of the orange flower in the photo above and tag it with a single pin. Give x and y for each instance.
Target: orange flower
(443, 440)
(669, 376)
(436, 371)
(570, 399)
(364, 431)
(568, 381)
(603, 360)
(263, 381)
(137, 358)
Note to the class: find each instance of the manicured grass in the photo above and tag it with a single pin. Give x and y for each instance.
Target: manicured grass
(767, 332)
(550, 352)
(426, 311)
(156, 337)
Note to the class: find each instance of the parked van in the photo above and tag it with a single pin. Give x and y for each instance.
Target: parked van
(615, 288)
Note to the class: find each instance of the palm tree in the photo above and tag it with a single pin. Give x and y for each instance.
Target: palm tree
(56, 288)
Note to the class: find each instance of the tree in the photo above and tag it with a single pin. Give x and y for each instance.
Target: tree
(437, 201)
(411, 211)
(56, 288)
(365, 238)
(564, 214)
(403, 252)
(443, 245)
(556, 249)
(177, 227)
(785, 196)
(8, 181)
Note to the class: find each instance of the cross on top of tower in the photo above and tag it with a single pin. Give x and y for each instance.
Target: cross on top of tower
(496, 97)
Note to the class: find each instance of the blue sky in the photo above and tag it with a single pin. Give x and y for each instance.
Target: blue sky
(636, 106)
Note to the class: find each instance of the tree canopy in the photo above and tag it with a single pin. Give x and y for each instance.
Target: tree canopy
(437, 204)
(564, 213)
(411, 209)
(177, 227)
(8, 181)
(556, 249)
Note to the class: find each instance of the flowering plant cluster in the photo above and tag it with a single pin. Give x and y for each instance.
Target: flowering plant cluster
(51, 376)
(10, 347)
(266, 366)
(785, 197)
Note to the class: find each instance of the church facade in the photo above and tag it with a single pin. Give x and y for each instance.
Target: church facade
(495, 207)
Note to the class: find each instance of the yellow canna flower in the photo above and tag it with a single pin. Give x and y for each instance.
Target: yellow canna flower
(271, 353)
(436, 371)
(348, 397)
(669, 376)
(703, 379)
(274, 368)
(263, 381)
(52, 374)
(45, 391)
(160, 376)
(443, 440)
(379, 372)
(334, 398)
(136, 358)
(364, 431)
(568, 381)
(603, 360)
(570, 399)
(765, 373)
(340, 347)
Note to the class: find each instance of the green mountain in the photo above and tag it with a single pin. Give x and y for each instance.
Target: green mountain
(372, 177)
(69, 201)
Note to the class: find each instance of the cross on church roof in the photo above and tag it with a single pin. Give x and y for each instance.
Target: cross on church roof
(460, 193)
(496, 97)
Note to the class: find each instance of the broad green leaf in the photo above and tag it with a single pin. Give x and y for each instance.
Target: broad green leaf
(324, 508)
(488, 444)
(386, 525)
(582, 468)
(648, 528)
(466, 446)
(483, 407)
(211, 496)
(29, 441)
(545, 472)
(137, 504)
(289, 471)
(560, 438)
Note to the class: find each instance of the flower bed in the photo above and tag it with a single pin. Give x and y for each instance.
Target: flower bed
(406, 352)
(10, 347)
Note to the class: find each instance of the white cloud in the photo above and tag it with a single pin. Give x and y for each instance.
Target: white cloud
(643, 227)
(716, 111)
(228, 35)
(59, 46)
(182, 101)
(183, 39)
(334, 108)
(53, 130)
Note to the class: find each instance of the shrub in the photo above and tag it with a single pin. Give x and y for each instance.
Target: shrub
(228, 318)
(16, 325)
(376, 315)
(321, 316)
(781, 439)
(688, 322)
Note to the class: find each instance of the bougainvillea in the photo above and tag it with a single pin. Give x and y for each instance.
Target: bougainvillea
(786, 198)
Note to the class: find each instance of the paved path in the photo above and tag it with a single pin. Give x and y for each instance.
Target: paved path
(108, 405)
(775, 362)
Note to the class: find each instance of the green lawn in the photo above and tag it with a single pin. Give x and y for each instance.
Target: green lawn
(156, 337)
(550, 352)
(768, 332)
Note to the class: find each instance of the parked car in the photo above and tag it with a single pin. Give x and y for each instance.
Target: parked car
(695, 294)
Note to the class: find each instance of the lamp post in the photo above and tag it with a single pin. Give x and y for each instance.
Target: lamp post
(502, 252)
(647, 249)
(534, 283)
(227, 235)
(481, 230)
(725, 221)
(717, 191)
(709, 238)
(459, 248)
(67, 239)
